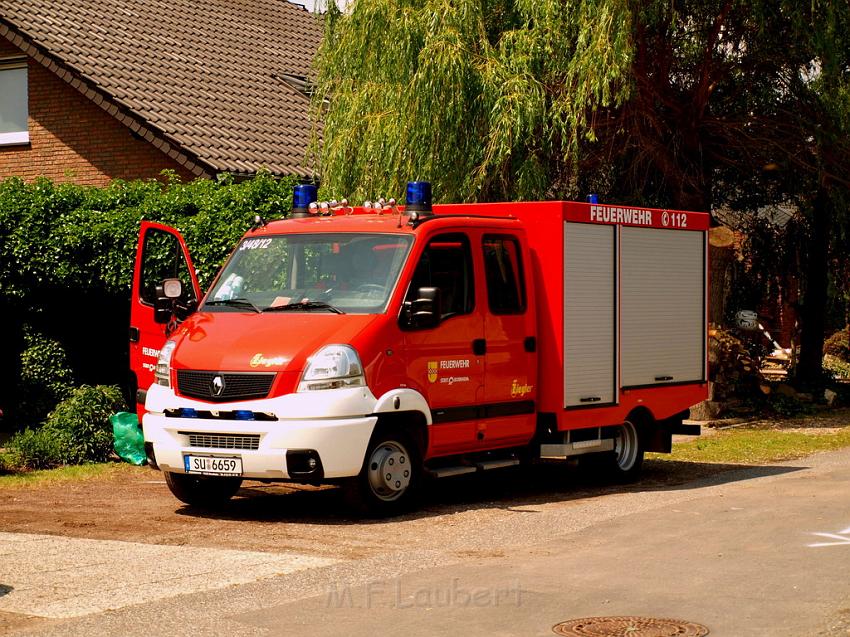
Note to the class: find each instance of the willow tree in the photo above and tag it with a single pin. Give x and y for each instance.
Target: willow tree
(680, 103)
(487, 99)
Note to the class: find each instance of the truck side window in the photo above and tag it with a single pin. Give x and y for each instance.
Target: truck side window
(503, 270)
(163, 259)
(446, 263)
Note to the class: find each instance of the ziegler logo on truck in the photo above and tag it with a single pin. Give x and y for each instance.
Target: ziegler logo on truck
(258, 360)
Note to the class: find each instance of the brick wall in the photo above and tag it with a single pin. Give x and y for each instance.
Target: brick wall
(72, 139)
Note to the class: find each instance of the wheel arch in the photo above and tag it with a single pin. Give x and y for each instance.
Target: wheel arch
(404, 400)
(413, 423)
(652, 436)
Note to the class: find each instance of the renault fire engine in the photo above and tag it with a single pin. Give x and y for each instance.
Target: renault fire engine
(379, 345)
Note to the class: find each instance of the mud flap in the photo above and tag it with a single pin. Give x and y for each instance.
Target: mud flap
(660, 437)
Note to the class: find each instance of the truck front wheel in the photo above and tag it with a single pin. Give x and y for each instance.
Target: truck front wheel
(390, 478)
(202, 491)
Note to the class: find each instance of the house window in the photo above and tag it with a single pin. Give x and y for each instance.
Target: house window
(13, 101)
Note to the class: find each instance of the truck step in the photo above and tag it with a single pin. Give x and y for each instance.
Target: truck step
(486, 465)
(565, 450)
(480, 465)
(447, 472)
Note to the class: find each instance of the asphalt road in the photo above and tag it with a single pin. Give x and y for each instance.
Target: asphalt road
(753, 551)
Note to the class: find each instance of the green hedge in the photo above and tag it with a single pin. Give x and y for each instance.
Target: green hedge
(66, 263)
(85, 238)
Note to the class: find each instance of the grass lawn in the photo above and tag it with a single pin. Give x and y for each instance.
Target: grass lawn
(76, 473)
(758, 445)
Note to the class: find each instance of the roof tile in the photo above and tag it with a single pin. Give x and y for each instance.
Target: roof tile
(201, 72)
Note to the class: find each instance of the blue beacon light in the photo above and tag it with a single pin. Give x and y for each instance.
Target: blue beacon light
(418, 197)
(302, 197)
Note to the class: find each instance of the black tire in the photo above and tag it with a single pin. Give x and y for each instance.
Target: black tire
(390, 480)
(627, 459)
(202, 491)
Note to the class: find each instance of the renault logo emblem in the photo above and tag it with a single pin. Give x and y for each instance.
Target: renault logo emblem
(217, 386)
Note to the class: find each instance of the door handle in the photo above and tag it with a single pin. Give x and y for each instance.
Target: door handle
(479, 347)
(134, 334)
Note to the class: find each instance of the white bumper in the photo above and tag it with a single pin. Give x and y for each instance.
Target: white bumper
(337, 424)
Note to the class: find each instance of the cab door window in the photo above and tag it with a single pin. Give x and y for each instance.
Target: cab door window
(503, 270)
(163, 259)
(446, 263)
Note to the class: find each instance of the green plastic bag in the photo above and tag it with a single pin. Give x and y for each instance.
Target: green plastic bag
(129, 440)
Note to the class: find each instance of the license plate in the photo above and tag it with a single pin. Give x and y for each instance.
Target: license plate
(213, 465)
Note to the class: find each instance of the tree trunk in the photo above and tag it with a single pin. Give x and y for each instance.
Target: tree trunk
(809, 368)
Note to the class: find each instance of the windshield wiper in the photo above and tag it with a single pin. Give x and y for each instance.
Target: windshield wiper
(304, 305)
(238, 302)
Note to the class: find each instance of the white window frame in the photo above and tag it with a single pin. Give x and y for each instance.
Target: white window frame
(16, 137)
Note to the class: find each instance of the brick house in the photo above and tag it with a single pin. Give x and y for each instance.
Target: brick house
(97, 90)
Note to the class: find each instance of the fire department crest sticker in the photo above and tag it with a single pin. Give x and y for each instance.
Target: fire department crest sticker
(432, 371)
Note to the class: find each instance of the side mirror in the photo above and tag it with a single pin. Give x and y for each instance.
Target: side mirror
(425, 310)
(163, 307)
(168, 303)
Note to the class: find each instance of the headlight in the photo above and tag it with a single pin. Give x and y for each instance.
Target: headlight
(332, 367)
(163, 364)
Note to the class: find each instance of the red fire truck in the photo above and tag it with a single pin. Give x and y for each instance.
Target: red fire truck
(377, 346)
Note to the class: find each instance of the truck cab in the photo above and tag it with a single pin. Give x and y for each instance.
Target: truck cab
(348, 348)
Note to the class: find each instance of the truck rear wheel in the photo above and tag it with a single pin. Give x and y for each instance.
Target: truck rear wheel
(628, 452)
(202, 491)
(390, 478)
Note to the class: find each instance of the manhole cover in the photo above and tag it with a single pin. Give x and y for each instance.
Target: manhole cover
(628, 627)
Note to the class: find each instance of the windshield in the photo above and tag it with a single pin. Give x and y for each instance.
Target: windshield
(345, 272)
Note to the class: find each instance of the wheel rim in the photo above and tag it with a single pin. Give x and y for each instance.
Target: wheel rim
(389, 471)
(626, 446)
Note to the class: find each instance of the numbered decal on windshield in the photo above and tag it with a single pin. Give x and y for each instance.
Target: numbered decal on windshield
(255, 244)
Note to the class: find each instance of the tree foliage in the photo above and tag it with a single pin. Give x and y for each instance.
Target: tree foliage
(475, 96)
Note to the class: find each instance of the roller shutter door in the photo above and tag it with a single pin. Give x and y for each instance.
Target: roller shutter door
(662, 313)
(589, 314)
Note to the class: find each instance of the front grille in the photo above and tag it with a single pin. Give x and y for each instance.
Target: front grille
(233, 386)
(222, 441)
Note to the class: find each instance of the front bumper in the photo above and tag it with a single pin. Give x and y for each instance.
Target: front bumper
(339, 438)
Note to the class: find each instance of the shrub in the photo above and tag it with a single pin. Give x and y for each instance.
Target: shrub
(77, 431)
(836, 367)
(35, 449)
(46, 377)
(82, 423)
(838, 346)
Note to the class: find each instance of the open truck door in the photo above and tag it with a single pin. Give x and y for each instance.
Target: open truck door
(158, 303)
